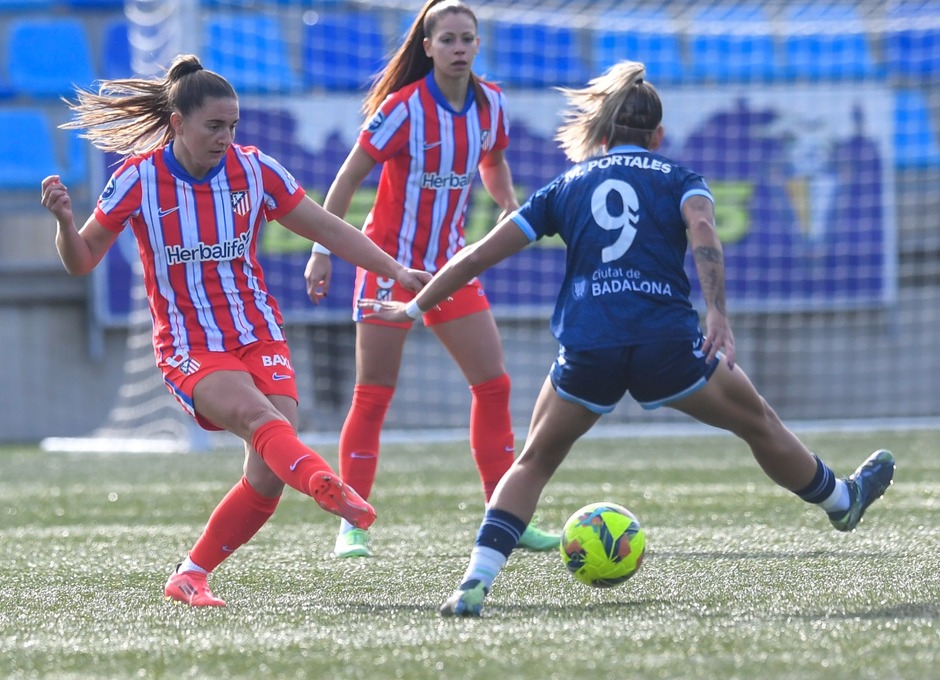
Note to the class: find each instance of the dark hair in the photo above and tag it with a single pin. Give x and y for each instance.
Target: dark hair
(132, 115)
(410, 63)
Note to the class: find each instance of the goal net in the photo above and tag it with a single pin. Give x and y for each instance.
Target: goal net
(815, 124)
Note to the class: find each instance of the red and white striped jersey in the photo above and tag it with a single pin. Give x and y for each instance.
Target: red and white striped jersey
(430, 154)
(198, 245)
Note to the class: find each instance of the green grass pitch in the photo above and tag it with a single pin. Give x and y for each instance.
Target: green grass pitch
(741, 579)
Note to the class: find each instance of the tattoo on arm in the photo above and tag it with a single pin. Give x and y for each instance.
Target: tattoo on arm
(710, 265)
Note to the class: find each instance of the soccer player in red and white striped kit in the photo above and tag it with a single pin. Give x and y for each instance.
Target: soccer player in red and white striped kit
(433, 125)
(196, 203)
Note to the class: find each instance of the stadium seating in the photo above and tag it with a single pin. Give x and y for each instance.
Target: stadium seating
(535, 55)
(93, 5)
(116, 51)
(48, 57)
(27, 149)
(827, 42)
(912, 40)
(639, 36)
(733, 43)
(251, 51)
(9, 6)
(342, 51)
(915, 136)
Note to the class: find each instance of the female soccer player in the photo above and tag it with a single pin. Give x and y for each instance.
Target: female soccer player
(196, 203)
(627, 215)
(433, 124)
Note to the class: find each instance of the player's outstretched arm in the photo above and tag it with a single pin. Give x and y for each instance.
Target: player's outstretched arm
(313, 222)
(506, 239)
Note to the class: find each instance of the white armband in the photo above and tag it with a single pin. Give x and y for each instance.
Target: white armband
(321, 250)
(413, 310)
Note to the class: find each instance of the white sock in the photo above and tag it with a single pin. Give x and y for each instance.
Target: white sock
(838, 500)
(485, 565)
(189, 565)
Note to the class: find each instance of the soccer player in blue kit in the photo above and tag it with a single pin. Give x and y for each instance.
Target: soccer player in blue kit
(624, 320)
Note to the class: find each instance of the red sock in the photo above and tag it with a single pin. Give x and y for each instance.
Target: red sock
(289, 458)
(491, 438)
(234, 521)
(359, 440)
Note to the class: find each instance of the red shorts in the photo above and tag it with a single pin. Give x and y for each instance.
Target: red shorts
(267, 361)
(468, 300)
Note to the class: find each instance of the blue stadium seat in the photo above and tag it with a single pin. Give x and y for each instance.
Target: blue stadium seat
(26, 5)
(250, 51)
(93, 5)
(48, 57)
(116, 51)
(639, 35)
(535, 55)
(827, 42)
(733, 43)
(27, 149)
(343, 51)
(915, 135)
(912, 45)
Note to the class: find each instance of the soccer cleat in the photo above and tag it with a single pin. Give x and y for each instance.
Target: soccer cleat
(192, 588)
(352, 543)
(866, 485)
(334, 496)
(466, 600)
(536, 540)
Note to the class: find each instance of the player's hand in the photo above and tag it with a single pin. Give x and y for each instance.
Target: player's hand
(718, 337)
(412, 279)
(56, 199)
(384, 310)
(317, 274)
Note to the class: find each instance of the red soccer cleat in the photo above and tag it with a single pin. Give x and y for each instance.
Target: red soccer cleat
(191, 587)
(339, 498)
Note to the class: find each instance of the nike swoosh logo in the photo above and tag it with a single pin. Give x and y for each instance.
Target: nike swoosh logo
(431, 145)
(279, 376)
(356, 454)
(297, 462)
(225, 548)
(168, 211)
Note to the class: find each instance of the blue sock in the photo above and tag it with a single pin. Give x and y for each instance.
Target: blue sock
(498, 535)
(825, 490)
(500, 531)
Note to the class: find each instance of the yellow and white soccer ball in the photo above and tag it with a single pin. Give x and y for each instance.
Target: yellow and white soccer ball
(603, 544)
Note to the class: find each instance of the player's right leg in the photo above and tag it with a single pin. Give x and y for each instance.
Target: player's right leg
(731, 402)
(379, 349)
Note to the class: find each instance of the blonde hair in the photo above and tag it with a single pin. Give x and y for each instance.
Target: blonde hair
(129, 116)
(410, 63)
(618, 107)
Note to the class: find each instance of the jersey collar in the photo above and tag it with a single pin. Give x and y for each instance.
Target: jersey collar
(179, 171)
(627, 148)
(442, 100)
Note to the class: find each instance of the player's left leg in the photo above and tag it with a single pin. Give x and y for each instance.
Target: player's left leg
(555, 426)
(474, 342)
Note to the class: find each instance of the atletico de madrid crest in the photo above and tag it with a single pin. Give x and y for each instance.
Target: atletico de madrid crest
(240, 203)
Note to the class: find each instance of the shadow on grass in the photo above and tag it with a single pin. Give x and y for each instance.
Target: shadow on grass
(770, 554)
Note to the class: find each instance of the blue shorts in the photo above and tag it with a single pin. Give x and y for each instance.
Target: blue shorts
(654, 374)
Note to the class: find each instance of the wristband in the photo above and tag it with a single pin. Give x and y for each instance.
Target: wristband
(413, 310)
(321, 250)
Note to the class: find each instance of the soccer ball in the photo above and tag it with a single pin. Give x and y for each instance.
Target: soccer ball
(602, 544)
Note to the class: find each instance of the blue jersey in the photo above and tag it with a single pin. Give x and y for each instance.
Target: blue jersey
(619, 216)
